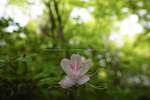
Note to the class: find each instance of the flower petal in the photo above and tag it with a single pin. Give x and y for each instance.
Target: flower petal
(82, 79)
(67, 82)
(65, 65)
(86, 66)
(75, 58)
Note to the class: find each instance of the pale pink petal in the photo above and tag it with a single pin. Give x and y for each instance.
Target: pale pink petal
(82, 79)
(84, 68)
(66, 67)
(67, 82)
(75, 58)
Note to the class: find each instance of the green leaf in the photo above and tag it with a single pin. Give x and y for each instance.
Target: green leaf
(23, 59)
(3, 66)
(22, 67)
(33, 54)
(89, 88)
(38, 76)
(49, 81)
(45, 81)
(2, 59)
(49, 88)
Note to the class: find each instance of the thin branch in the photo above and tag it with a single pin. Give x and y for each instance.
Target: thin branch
(60, 31)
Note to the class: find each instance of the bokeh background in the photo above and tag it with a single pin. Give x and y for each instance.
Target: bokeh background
(35, 35)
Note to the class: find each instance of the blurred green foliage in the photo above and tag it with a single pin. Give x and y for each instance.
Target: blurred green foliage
(30, 66)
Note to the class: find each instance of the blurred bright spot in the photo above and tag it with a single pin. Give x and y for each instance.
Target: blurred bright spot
(83, 14)
(88, 51)
(102, 62)
(117, 24)
(99, 55)
(90, 9)
(83, 58)
(23, 35)
(134, 18)
(17, 14)
(145, 80)
(11, 28)
(119, 73)
(117, 38)
(149, 34)
(140, 4)
(130, 26)
(142, 12)
(1, 10)
(36, 10)
(102, 74)
(2, 42)
(136, 79)
(71, 41)
(85, 0)
(50, 45)
(77, 42)
(108, 59)
(125, 9)
(4, 2)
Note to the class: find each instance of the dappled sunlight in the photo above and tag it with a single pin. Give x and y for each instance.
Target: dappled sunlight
(128, 27)
(83, 14)
(131, 26)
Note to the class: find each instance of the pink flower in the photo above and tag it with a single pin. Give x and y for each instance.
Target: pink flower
(75, 70)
